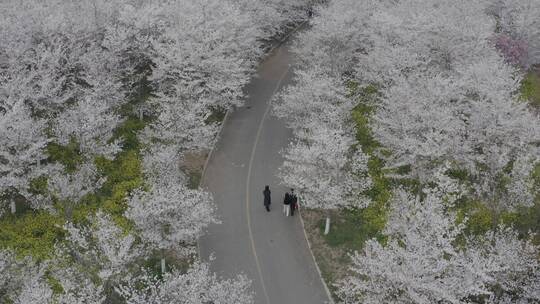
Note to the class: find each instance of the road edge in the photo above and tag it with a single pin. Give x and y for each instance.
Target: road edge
(328, 293)
(208, 157)
(211, 152)
(227, 114)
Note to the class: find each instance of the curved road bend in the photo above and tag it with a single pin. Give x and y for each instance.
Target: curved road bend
(266, 246)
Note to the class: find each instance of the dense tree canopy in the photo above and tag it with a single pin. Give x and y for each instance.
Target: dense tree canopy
(434, 89)
(99, 103)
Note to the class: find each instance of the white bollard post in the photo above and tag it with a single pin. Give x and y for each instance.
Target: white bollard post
(163, 265)
(12, 206)
(327, 226)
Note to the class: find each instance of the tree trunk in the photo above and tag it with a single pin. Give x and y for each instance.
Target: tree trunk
(12, 206)
(141, 114)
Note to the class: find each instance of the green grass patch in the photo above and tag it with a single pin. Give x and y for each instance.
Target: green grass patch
(39, 185)
(194, 179)
(527, 219)
(217, 115)
(32, 234)
(54, 283)
(127, 131)
(360, 115)
(124, 174)
(461, 175)
(530, 88)
(352, 227)
(479, 217)
(67, 155)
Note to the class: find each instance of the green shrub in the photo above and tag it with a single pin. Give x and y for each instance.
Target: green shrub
(364, 135)
(126, 167)
(480, 218)
(54, 283)
(68, 155)
(127, 131)
(194, 179)
(124, 175)
(525, 220)
(530, 88)
(39, 185)
(216, 116)
(459, 174)
(33, 234)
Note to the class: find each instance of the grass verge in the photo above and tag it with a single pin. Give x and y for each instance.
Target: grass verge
(530, 88)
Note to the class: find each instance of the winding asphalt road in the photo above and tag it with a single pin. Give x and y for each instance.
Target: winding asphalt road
(268, 247)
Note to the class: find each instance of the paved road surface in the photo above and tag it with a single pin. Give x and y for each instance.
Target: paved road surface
(266, 246)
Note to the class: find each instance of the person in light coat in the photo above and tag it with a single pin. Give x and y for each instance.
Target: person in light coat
(286, 203)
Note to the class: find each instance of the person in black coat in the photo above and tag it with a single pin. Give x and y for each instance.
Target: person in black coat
(267, 199)
(293, 202)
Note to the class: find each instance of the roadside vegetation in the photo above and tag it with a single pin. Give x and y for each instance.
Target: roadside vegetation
(530, 88)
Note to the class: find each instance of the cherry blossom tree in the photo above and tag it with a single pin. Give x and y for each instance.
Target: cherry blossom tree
(170, 216)
(8, 277)
(325, 173)
(78, 288)
(22, 141)
(117, 248)
(215, 66)
(70, 188)
(337, 30)
(514, 270)
(30, 284)
(197, 285)
(276, 16)
(55, 58)
(102, 246)
(22, 280)
(418, 265)
(161, 165)
(422, 262)
(34, 290)
(90, 123)
(182, 123)
(519, 36)
(482, 135)
(322, 164)
(459, 107)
